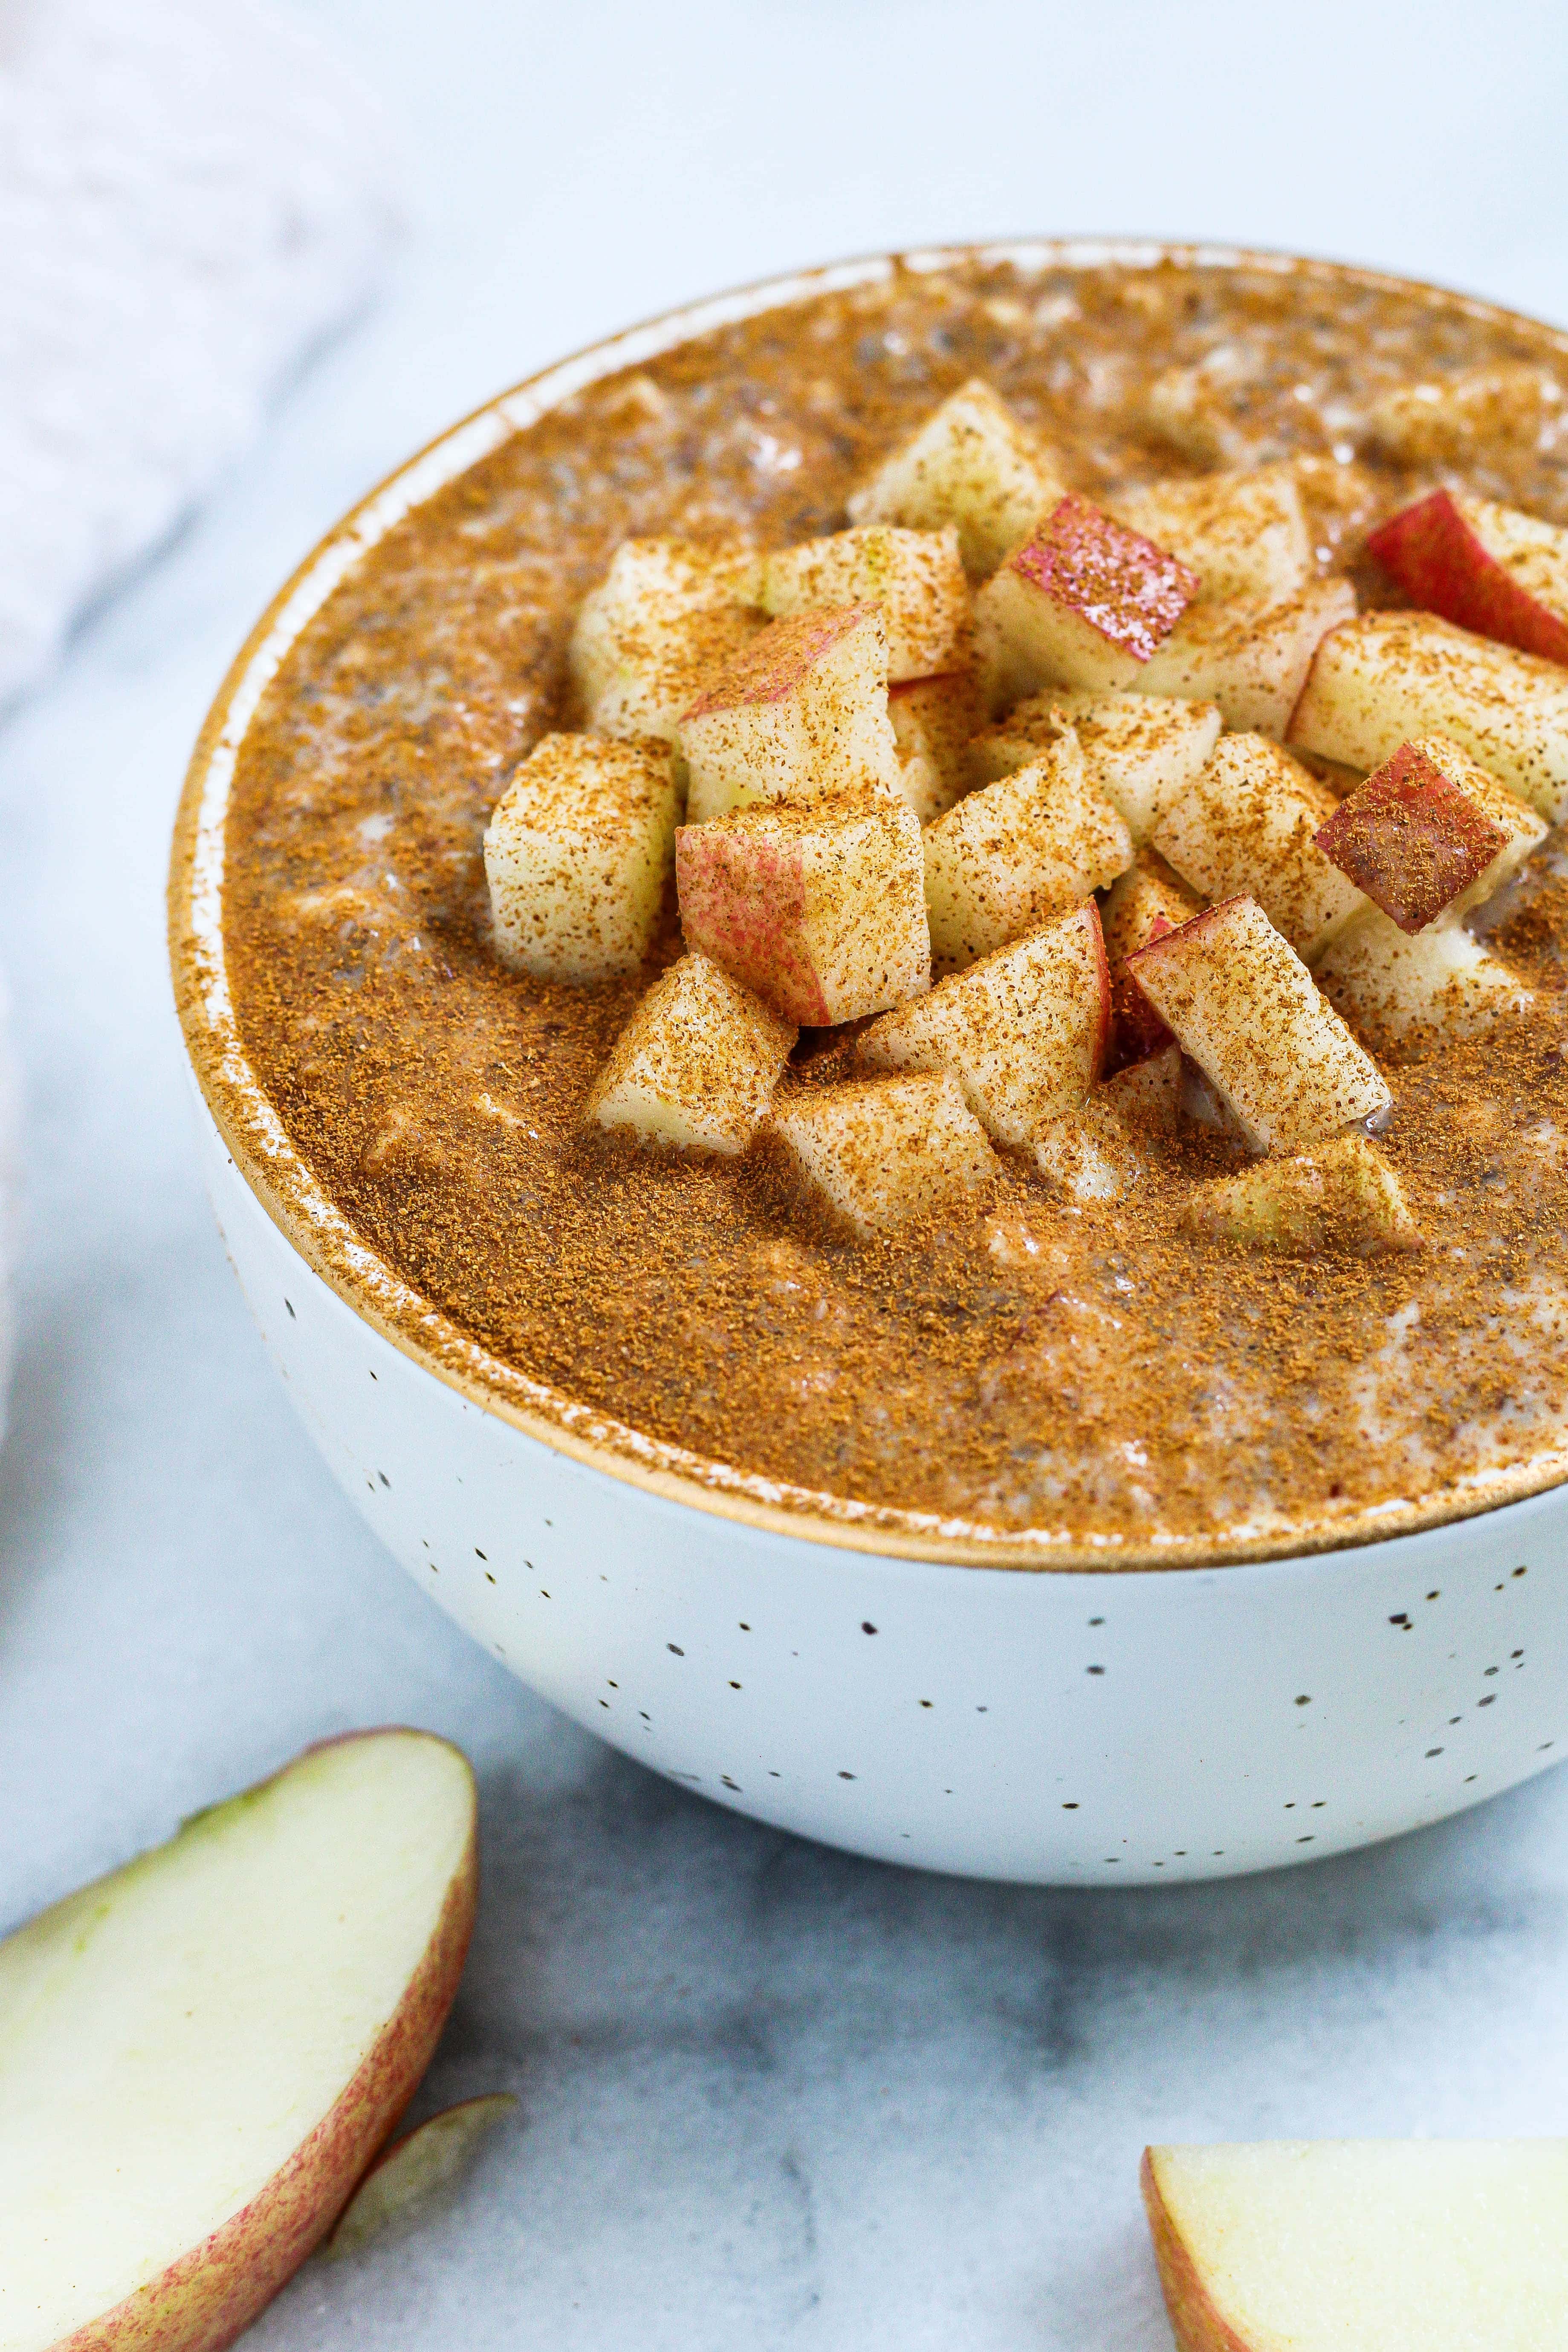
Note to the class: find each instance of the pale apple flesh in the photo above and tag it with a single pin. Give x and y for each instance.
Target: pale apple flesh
(205, 2050)
(1386, 2246)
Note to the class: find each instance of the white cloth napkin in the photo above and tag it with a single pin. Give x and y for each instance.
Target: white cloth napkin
(192, 192)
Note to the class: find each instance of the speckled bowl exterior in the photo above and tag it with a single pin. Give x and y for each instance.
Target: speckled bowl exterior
(1039, 1718)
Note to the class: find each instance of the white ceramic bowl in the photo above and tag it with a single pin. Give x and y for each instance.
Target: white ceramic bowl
(899, 1698)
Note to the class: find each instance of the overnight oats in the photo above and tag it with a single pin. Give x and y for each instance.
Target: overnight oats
(946, 905)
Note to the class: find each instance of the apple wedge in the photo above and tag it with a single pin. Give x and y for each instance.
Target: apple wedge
(204, 2050)
(1017, 852)
(802, 710)
(1488, 567)
(417, 2168)
(916, 577)
(1454, 417)
(1248, 828)
(1024, 1030)
(666, 614)
(1382, 2245)
(1409, 995)
(971, 465)
(577, 855)
(1084, 602)
(883, 1153)
(1242, 1005)
(1343, 1196)
(1250, 654)
(694, 1067)
(819, 907)
(933, 720)
(1142, 750)
(1430, 834)
(1245, 534)
(1385, 677)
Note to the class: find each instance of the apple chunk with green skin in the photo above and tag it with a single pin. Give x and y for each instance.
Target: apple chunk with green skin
(1083, 602)
(804, 710)
(1430, 834)
(1024, 1030)
(577, 855)
(971, 465)
(883, 1153)
(694, 1067)
(204, 2050)
(1379, 2245)
(1017, 852)
(819, 907)
(1488, 567)
(916, 576)
(1241, 1004)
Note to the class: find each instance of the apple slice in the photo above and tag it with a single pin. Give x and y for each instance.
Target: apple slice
(1017, 852)
(1245, 534)
(1407, 995)
(1240, 1002)
(819, 905)
(1445, 422)
(1249, 655)
(1024, 1030)
(916, 576)
(802, 710)
(205, 2049)
(1343, 1196)
(1142, 750)
(577, 855)
(1084, 602)
(1383, 2245)
(415, 2169)
(667, 615)
(1488, 567)
(933, 720)
(971, 465)
(1386, 676)
(1430, 834)
(695, 1064)
(1248, 828)
(883, 1153)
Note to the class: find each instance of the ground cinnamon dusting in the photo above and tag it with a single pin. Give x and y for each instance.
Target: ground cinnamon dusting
(1093, 1370)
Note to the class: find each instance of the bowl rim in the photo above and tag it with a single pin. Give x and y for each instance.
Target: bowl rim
(323, 1236)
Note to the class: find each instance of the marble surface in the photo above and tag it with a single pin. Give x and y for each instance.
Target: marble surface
(768, 2095)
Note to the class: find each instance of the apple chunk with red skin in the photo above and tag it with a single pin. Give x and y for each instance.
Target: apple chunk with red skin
(1488, 567)
(802, 710)
(205, 2050)
(819, 907)
(1379, 2245)
(1084, 603)
(1429, 834)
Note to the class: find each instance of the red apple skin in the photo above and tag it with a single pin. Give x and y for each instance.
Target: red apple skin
(211, 2294)
(1410, 838)
(779, 659)
(1124, 586)
(1138, 1029)
(1196, 2324)
(1437, 560)
(742, 902)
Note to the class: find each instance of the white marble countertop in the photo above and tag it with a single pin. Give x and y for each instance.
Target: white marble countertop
(767, 2094)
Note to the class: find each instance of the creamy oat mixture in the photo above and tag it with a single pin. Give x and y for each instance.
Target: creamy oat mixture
(1094, 1371)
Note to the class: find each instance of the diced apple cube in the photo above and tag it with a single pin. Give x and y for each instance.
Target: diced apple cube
(802, 710)
(1248, 828)
(1407, 995)
(1146, 902)
(1147, 1095)
(1142, 750)
(1455, 418)
(884, 1151)
(1195, 408)
(1089, 1154)
(1430, 834)
(1241, 1002)
(1084, 602)
(933, 720)
(1023, 1031)
(695, 1066)
(666, 616)
(1017, 852)
(1488, 567)
(818, 906)
(576, 856)
(916, 576)
(971, 465)
(1249, 655)
(1245, 534)
(1386, 676)
(1343, 1196)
